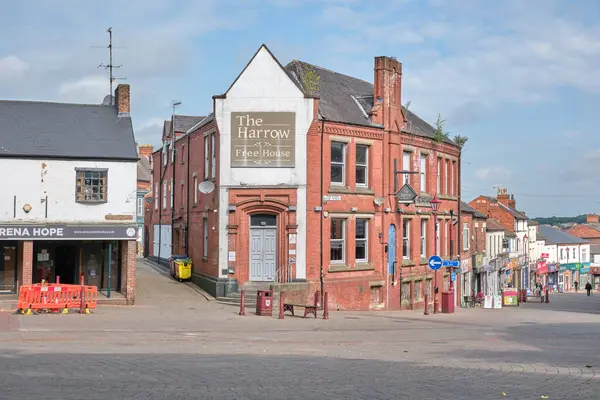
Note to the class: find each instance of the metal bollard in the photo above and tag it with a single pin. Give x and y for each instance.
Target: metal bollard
(426, 305)
(281, 302)
(243, 302)
(547, 296)
(325, 305)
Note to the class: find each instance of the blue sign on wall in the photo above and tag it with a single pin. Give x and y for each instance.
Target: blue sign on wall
(453, 277)
(435, 262)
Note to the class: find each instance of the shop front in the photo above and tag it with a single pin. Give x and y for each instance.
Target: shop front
(594, 277)
(552, 276)
(99, 253)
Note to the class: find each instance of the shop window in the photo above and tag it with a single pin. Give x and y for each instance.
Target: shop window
(91, 185)
(338, 163)
(362, 240)
(362, 169)
(96, 266)
(338, 237)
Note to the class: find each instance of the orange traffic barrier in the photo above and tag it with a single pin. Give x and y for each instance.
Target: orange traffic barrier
(55, 297)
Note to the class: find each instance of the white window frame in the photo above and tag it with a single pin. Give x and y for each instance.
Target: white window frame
(195, 190)
(583, 254)
(446, 176)
(164, 196)
(213, 157)
(406, 164)
(343, 163)
(439, 178)
(156, 194)
(173, 152)
(206, 150)
(447, 227)
(466, 236)
(342, 240)
(140, 206)
(364, 165)
(452, 166)
(365, 240)
(406, 238)
(165, 153)
(423, 172)
(423, 238)
(172, 188)
(205, 237)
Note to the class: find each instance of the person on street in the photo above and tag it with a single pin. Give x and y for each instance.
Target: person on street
(540, 292)
(588, 288)
(576, 286)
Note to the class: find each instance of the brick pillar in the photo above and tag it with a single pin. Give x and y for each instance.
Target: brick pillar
(128, 270)
(27, 264)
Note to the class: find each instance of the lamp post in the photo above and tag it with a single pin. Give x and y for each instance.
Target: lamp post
(435, 205)
(526, 252)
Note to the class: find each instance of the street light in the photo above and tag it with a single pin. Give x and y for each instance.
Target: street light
(525, 252)
(435, 206)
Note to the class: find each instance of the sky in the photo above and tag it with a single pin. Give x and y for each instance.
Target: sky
(520, 79)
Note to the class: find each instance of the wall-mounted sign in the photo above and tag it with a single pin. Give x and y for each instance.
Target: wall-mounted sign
(263, 139)
(331, 198)
(406, 194)
(545, 255)
(67, 232)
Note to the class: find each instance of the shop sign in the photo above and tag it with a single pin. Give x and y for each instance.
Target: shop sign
(478, 260)
(67, 232)
(464, 266)
(263, 139)
(552, 267)
(406, 194)
(545, 255)
(584, 270)
(595, 270)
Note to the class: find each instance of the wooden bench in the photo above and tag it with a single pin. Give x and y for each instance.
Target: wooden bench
(308, 308)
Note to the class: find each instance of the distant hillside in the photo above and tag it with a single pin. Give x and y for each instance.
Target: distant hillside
(580, 219)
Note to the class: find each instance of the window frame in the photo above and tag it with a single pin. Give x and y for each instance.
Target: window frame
(103, 184)
(182, 153)
(364, 165)
(195, 189)
(467, 240)
(446, 177)
(423, 238)
(205, 237)
(342, 240)
(213, 157)
(164, 196)
(406, 237)
(439, 176)
(452, 188)
(365, 240)
(337, 163)
(206, 157)
(406, 167)
(423, 172)
(172, 189)
(140, 207)
(156, 194)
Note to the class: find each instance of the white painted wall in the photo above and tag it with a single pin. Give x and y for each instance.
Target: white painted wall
(551, 249)
(494, 243)
(30, 181)
(263, 86)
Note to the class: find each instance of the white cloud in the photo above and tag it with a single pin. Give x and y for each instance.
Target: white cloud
(89, 89)
(12, 67)
(149, 131)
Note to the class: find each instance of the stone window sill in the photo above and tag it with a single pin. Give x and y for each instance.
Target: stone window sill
(346, 268)
(407, 262)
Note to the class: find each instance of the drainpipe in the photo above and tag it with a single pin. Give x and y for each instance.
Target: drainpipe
(321, 219)
(160, 197)
(187, 203)
(172, 199)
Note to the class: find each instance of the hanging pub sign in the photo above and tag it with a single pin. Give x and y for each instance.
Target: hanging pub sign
(406, 194)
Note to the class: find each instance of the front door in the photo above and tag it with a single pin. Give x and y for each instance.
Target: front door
(391, 248)
(263, 247)
(8, 268)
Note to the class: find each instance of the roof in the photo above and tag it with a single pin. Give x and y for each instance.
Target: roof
(584, 231)
(515, 213)
(184, 122)
(555, 236)
(464, 207)
(144, 171)
(532, 222)
(346, 99)
(491, 225)
(62, 130)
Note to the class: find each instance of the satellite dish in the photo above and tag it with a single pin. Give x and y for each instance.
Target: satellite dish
(108, 100)
(206, 187)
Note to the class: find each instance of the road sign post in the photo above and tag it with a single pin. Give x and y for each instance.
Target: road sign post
(435, 263)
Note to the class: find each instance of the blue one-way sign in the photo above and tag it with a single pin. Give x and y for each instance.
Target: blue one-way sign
(450, 263)
(435, 262)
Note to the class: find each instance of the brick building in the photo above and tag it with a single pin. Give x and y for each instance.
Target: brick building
(589, 231)
(292, 181)
(472, 252)
(144, 185)
(68, 206)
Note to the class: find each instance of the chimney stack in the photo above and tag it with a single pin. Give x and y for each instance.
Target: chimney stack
(122, 100)
(592, 218)
(145, 150)
(511, 202)
(388, 88)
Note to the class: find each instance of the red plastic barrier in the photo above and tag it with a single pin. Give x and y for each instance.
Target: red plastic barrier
(56, 297)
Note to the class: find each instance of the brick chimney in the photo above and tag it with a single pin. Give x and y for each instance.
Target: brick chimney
(387, 108)
(122, 100)
(512, 202)
(145, 150)
(503, 196)
(592, 218)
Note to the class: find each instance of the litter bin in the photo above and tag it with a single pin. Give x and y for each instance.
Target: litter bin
(172, 266)
(448, 302)
(523, 295)
(264, 302)
(183, 269)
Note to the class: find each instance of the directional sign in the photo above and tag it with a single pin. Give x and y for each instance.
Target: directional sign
(450, 263)
(453, 277)
(435, 262)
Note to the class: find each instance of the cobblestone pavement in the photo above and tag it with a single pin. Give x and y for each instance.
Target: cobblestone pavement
(175, 344)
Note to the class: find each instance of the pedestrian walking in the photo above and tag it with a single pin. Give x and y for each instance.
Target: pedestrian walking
(576, 286)
(540, 292)
(588, 288)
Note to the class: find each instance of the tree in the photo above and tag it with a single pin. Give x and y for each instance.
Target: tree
(439, 135)
(310, 80)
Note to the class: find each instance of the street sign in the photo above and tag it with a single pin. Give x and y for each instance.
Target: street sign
(508, 272)
(435, 262)
(450, 263)
(453, 277)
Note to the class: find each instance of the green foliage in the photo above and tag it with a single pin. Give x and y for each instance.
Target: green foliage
(460, 140)
(580, 219)
(439, 135)
(311, 81)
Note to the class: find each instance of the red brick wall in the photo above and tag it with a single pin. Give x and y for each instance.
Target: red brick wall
(128, 270)
(493, 210)
(27, 263)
